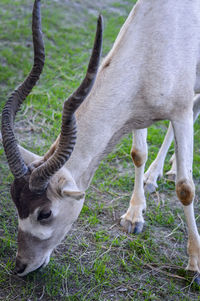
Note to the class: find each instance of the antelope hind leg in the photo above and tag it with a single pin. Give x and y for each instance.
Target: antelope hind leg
(185, 187)
(156, 168)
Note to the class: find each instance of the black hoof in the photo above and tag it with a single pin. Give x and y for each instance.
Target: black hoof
(135, 228)
(138, 228)
(149, 187)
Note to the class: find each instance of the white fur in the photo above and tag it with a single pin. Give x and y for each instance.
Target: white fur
(34, 228)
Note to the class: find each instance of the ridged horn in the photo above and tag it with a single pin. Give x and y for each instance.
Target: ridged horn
(15, 160)
(41, 175)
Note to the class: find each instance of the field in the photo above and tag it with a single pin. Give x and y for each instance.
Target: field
(97, 260)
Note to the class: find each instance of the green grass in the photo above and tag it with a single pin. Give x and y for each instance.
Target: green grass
(97, 261)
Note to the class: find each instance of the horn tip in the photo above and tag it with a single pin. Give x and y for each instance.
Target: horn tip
(100, 20)
(37, 4)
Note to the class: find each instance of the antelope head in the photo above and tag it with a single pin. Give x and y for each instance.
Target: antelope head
(47, 198)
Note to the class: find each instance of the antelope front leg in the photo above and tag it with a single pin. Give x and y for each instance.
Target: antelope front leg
(133, 221)
(185, 189)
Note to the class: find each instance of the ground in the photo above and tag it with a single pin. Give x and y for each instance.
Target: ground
(97, 260)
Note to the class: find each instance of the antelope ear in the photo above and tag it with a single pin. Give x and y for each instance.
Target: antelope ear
(77, 195)
(28, 156)
(68, 188)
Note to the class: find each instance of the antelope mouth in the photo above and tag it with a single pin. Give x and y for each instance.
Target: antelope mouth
(40, 267)
(28, 270)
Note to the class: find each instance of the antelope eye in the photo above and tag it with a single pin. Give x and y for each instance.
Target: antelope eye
(44, 215)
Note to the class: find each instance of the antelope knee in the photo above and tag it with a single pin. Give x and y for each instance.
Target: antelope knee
(139, 158)
(185, 191)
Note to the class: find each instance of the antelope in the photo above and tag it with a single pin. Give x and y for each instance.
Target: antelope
(150, 74)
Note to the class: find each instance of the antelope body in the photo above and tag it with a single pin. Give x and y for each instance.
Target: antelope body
(150, 74)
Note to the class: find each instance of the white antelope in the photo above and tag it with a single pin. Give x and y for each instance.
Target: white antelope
(149, 75)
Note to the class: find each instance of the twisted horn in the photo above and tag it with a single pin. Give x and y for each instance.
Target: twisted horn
(40, 176)
(15, 160)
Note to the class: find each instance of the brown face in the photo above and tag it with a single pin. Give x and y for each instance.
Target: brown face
(30, 247)
(25, 200)
(44, 219)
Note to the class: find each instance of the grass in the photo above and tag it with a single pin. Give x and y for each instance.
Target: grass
(97, 261)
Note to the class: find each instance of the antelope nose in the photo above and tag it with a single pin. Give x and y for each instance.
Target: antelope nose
(20, 266)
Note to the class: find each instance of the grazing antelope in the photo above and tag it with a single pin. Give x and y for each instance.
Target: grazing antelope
(149, 75)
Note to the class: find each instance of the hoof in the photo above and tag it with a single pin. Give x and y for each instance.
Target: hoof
(150, 188)
(138, 227)
(197, 280)
(171, 176)
(129, 227)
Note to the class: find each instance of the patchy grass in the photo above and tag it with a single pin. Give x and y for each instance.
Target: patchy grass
(97, 261)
